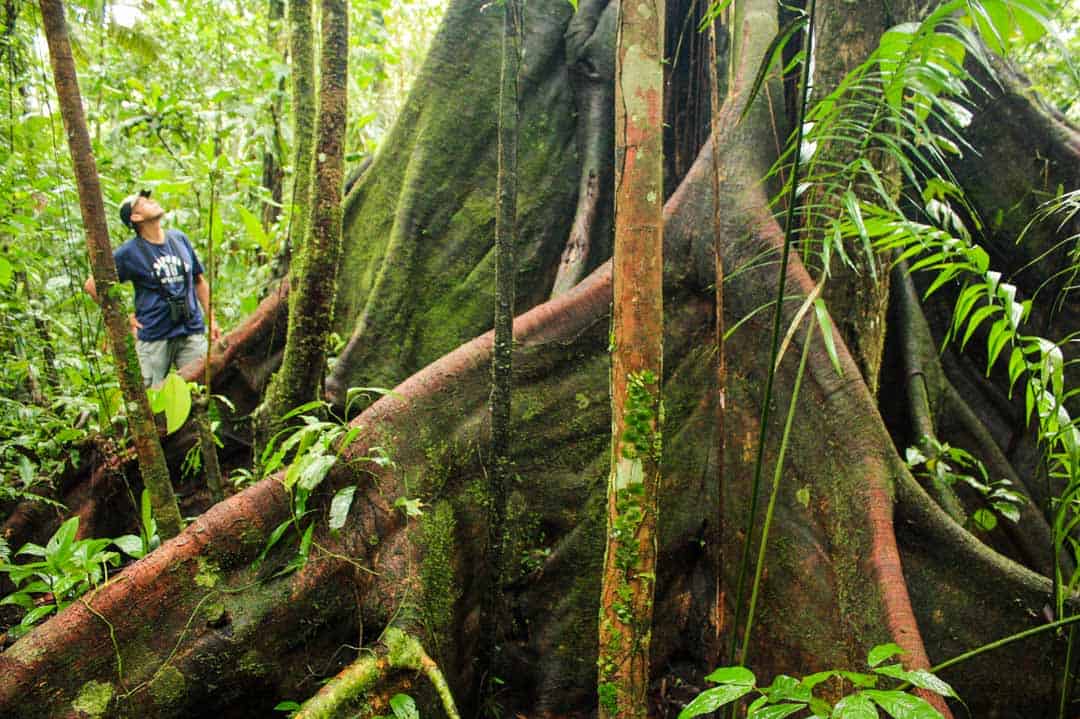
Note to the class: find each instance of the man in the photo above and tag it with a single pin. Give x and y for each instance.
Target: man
(168, 279)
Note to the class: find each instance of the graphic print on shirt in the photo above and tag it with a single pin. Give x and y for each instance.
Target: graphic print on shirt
(170, 270)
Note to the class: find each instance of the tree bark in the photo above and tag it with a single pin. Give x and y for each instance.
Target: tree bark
(311, 304)
(302, 57)
(144, 433)
(628, 581)
(502, 357)
(273, 173)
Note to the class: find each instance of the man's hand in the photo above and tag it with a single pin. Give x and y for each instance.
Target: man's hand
(135, 325)
(215, 331)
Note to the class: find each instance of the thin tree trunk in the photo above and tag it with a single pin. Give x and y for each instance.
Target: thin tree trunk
(628, 582)
(302, 54)
(141, 423)
(501, 367)
(311, 306)
(207, 447)
(273, 173)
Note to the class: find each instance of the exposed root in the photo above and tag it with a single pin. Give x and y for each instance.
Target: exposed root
(353, 683)
(915, 334)
(575, 257)
(589, 53)
(933, 400)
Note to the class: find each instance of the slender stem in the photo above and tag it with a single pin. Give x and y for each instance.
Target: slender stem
(959, 659)
(717, 535)
(789, 232)
(763, 544)
(1066, 679)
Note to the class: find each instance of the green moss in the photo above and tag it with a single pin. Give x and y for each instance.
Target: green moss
(214, 611)
(441, 592)
(208, 574)
(93, 698)
(608, 700)
(252, 664)
(403, 651)
(169, 687)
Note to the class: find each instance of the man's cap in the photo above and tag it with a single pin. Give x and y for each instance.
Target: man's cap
(127, 205)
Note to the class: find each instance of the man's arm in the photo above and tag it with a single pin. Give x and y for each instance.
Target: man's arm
(202, 292)
(91, 289)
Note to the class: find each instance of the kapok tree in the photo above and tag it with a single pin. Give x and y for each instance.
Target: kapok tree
(859, 553)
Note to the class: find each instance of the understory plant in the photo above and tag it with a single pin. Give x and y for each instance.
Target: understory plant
(862, 695)
(308, 452)
(908, 102)
(62, 571)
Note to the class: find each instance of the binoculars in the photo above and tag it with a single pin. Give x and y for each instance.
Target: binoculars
(179, 312)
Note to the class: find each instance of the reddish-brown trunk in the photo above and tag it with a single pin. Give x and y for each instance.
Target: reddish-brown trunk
(629, 579)
(140, 420)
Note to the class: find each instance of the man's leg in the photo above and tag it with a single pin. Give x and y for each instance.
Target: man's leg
(188, 349)
(154, 361)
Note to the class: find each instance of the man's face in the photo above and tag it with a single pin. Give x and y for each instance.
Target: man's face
(146, 209)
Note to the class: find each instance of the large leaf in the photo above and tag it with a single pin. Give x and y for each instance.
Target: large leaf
(855, 706)
(740, 676)
(174, 399)
(919, 677)
(899, 705)
(882, 652)
(404, 707)
(712, 699)
(339, 506)
(776, 711)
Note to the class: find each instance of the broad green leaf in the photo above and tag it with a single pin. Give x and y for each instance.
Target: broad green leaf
(339, 506)
(882, 652)
(776, 711)
(130, 545)
(860, 679)
(977, 319)
(314, 470)
(739, 676)
(918, 677)
(6, 272)
(855, 706)
(812, 680)
(404, 707)
(175, 399)
(785, 688)
(984, 519)
(712, 699)
(902, 706)
(35, 615)
(60, 543)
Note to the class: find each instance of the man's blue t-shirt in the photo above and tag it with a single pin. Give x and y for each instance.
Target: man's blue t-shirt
(153, 268)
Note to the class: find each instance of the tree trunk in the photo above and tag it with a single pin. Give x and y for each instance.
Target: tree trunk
(502, 357)
(629, 577)
(140, 420)
(273, 173)
(311, 305)
(302, 58)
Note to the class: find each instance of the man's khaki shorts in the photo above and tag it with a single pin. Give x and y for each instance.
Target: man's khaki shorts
(159, 356)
